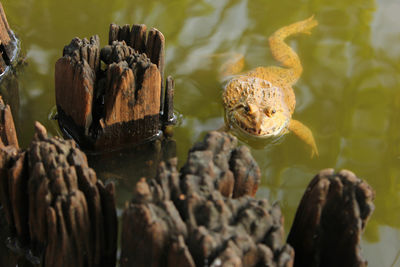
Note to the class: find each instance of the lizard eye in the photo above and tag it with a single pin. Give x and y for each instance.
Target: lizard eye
(246, 108)
(269, 111)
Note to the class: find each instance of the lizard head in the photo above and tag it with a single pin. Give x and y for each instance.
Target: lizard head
(258, 121)
(260, 111)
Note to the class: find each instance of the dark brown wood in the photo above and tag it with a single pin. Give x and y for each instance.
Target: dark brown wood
(113, 33)
(9, 50)
(155, 49)
(153, 45)
(75, 77)
(330, 220)
(168, 108)
(244, 169)
(124, 101)
(55, 206)
(219, 161)
(8, 155)
(121, 104)
(8, 134)
(188, 218)
(8, 43)
(183, 219)
(138, 37)
(124, 33)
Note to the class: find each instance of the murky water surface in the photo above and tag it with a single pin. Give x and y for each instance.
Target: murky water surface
(349, 93)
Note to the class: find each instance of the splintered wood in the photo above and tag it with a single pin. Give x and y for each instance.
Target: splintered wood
(124, 102)
(204, 215)
(58, 212)
(8, 42)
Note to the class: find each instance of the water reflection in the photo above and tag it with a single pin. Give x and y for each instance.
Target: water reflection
(126, 166)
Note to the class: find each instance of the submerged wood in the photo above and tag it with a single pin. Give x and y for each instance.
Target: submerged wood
(330, 219)
(122, 103)
(58, 212)
(189, 218)
(128, 166)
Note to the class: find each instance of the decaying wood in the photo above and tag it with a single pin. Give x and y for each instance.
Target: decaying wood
(8, 43)
(330, 220)
(75, 80)
(189, 219)
(57, 210)
(204, 215)
(218, 161)
(8, 134)
(59, 214)
(121, 103)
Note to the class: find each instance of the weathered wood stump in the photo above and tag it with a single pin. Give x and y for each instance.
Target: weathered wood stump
(330, 220)
(218, 161)
(189, 219)
(8, 44)
(57, 211)
(124, 102)
(204, 215)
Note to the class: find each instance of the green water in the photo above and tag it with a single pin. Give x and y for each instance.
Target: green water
(349, 93)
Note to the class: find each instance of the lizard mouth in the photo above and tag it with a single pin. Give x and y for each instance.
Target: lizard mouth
(268, 128)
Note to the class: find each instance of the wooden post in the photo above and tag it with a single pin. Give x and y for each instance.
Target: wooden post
(189, 218)
(122, 103)
(55, 206)
(330, 219)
